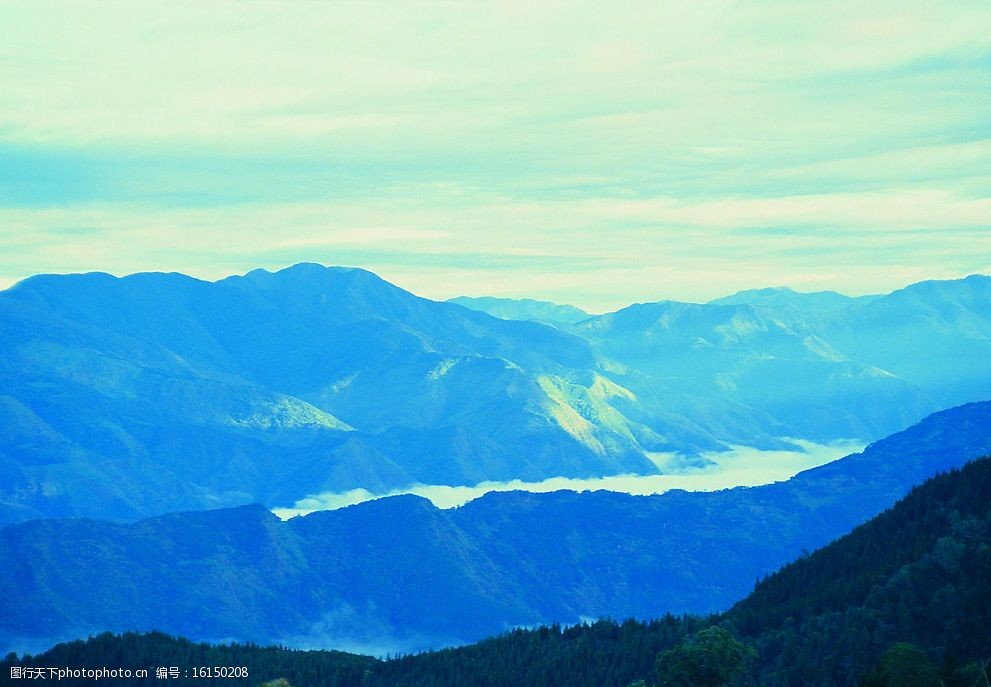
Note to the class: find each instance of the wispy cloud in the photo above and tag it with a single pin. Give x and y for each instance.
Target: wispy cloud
(601, 253)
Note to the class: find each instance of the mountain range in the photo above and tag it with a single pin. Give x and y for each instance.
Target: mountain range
(904, 599)
(523, 309)
(399, 574)
(122, 398)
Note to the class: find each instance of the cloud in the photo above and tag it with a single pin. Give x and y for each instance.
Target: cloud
(363, 630)
(291, 69)
(741, 466)
(599, 253)
(698, 146)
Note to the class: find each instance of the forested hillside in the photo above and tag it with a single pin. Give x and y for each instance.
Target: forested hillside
(908, 593)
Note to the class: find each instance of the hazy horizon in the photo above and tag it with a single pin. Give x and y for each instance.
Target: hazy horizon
(454, 293)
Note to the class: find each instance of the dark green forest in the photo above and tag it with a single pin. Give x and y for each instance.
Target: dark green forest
(904, 600)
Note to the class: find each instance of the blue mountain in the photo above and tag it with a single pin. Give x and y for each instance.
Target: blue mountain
(157, 392)
(864, 370)
(401, 571)
(784, 297)
(127, 397)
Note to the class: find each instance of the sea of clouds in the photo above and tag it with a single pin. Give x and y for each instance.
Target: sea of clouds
(741, 466)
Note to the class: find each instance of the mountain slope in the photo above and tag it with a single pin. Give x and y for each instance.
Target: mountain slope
(402, 571)
(156, 392)
(935, 333)
(920, 572)
(124, 398)
(865, 369)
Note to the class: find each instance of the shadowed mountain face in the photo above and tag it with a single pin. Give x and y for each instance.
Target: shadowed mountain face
(920, 572)
(128, 397)
(400, 570)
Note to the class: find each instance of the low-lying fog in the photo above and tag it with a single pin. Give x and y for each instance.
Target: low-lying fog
(742, 466)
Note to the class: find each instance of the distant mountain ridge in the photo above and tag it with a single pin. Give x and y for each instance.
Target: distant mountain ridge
(784, 297)
(401, 570)
(126, 397)
(820, 373)
(523, 309)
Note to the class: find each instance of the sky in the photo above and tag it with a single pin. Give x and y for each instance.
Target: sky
(584, 153)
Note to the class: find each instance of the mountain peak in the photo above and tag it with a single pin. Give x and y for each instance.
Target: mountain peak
(767, 290)
(309, 276)
(316, 269)
(299, 270)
